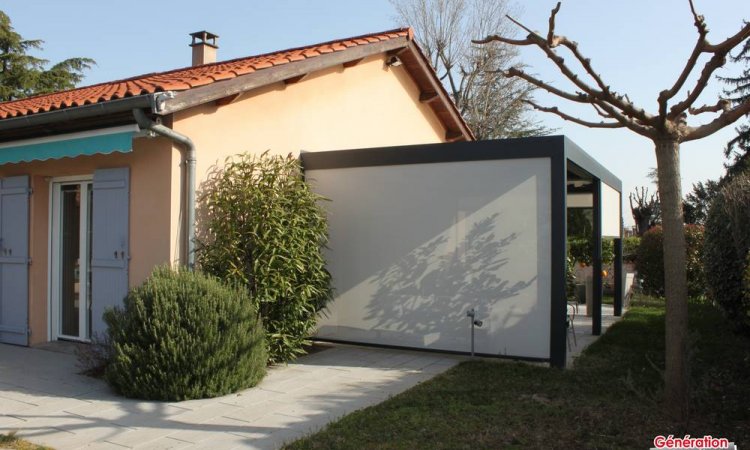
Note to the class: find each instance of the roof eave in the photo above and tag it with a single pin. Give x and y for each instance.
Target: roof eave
(457, 128)
(79, 112)
(415, 63)
(445, 109)
(215, 91)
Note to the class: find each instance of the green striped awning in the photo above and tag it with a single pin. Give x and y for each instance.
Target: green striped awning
(107, 140)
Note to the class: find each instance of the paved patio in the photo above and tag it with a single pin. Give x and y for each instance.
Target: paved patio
(43, 398)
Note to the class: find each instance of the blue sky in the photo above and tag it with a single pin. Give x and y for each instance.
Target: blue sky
(638, 46)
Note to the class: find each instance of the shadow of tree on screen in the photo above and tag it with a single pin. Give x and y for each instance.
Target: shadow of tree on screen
(429, 291)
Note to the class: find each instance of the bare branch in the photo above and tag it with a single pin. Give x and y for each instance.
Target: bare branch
(601, 112)
(720, 52)
(731, 42)
(602, 108)
(551, 32)
(717, 61)
(725, 119)
(722, 105)
(698, 18)
(633, 124)
(515, 72)
(555, 41)
(568, 117)
(528, 30)
(498, 38)
(603, 94)
(664, 96)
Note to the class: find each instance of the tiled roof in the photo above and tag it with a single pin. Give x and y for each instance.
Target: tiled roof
(185, 78)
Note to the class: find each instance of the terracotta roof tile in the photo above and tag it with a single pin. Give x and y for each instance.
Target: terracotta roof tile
(185, 78)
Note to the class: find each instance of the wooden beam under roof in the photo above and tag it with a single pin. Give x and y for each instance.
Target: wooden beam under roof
(227, 100)
(295, 80)
(454, 136)
(352, 63)
(428, 96)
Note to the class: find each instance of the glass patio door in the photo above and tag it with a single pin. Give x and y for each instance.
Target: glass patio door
(71, 260)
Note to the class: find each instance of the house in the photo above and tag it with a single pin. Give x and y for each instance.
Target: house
(98, 184)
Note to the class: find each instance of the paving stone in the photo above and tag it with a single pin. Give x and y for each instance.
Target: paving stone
(212, 429)
(165, 443)
(102, 445)
(225, 442)
(8, 406)
(140, 436)
(293, 400)
(208, 412)
(251, 397)
(58, 405)
(74, 437)
(252, 413)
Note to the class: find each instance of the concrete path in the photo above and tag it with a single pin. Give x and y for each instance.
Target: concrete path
(43, 398)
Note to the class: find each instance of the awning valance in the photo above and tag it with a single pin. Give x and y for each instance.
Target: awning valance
(105, 140)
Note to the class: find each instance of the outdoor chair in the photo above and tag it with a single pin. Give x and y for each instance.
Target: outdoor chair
(569, 323)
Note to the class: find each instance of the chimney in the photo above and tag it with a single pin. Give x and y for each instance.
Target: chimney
(204, 47)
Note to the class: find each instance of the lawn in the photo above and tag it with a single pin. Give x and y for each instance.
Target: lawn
(611, 399)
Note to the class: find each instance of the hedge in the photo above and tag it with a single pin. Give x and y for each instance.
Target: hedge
(183, 335)
(264, 228)
(650, 261)
(727, 246)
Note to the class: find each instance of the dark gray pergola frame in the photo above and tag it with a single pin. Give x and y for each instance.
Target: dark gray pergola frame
(562, 154)
(583, 165)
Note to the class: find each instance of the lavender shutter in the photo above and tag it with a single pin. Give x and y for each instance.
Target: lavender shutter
(110, 243)
(14, 260)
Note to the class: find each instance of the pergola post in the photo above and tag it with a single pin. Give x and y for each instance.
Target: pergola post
(618, 277)
(596, 314)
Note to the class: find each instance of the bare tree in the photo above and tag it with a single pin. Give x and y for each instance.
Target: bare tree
(645, 210)
(491, 104)
(667, 128)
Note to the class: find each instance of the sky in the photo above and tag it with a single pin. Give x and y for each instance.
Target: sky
(639, 47)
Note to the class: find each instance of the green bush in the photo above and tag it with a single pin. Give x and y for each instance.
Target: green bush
(630, 248)
(265, 229)
(183, 335)
(581, 249)
(727, 245)
(570, 278)
(650, 261)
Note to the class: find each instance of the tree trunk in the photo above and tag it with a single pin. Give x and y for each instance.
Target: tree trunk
(675, 278)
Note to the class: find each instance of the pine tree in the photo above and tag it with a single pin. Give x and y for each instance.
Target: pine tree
(23, 75)
(738, 149)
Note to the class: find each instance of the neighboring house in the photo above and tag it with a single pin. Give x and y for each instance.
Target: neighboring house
(97, 184)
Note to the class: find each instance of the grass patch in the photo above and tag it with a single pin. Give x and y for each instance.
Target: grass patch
(11, 441)
(611, 399)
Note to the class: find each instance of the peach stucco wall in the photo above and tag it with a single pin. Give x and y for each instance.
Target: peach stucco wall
(149, 215)
(368, 105)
